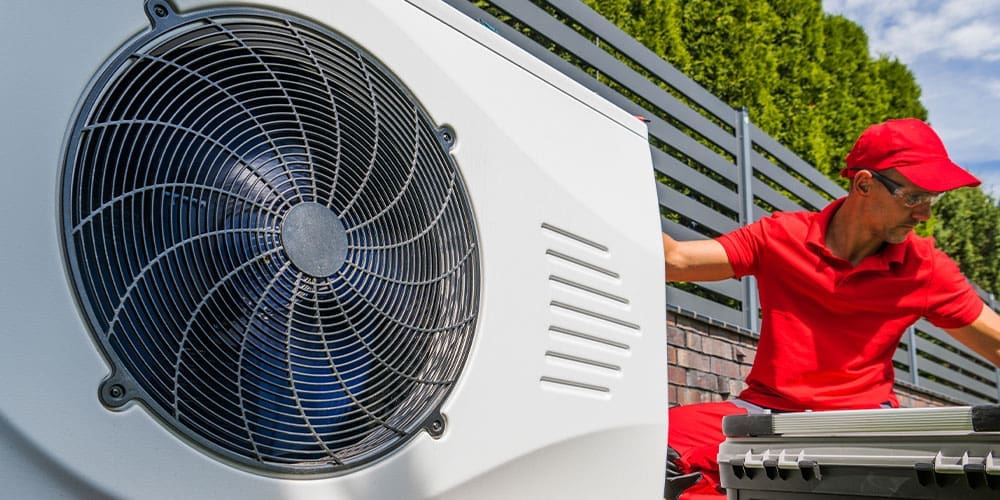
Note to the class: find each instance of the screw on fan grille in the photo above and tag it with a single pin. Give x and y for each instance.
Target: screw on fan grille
(271, 242)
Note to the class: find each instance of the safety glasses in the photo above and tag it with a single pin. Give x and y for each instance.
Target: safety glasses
(909, 200)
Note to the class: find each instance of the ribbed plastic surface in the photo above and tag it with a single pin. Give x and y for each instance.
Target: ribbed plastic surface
(918, 420)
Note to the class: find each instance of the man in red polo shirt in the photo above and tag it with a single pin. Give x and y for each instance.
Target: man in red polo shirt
(837, 290)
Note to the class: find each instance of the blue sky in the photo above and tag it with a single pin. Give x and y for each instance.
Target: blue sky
(953, 49)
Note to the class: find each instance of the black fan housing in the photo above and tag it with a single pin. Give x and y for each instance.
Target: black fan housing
(272, 245)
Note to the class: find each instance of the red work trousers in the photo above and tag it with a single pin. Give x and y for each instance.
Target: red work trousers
(695, 432)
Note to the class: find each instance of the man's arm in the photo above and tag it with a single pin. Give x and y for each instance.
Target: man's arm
(982, 335)
(698, 260)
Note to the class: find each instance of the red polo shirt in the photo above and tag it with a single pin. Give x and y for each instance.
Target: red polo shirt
(828, 329)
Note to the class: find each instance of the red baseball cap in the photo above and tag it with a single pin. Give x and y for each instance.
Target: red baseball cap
(912, 148)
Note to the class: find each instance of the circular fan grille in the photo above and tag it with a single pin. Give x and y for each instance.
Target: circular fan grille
(274, 248)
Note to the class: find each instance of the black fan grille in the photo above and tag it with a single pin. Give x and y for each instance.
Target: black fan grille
(193, 148)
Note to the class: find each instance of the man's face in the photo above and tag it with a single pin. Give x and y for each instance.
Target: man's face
(895, 218)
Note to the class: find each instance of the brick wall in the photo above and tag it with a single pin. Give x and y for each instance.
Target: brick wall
(708, 362)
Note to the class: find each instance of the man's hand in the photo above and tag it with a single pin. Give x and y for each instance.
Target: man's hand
(677, 481)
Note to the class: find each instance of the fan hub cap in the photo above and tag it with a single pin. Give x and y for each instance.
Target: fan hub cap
(314, 239)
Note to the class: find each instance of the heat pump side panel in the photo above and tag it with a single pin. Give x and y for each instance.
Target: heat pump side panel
(537, 151)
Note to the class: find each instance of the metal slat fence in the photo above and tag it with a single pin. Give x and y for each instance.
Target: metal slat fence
(715, 171)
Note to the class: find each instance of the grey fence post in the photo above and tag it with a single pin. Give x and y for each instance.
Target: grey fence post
(992, 302)
(911, 340)
(746, 212)
(997, 371)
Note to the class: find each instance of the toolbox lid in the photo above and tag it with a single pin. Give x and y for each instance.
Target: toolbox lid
(983, 418)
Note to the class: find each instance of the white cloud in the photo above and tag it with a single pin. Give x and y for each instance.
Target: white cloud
(963, 105)
(975, 40)
(912, 29)
(953, 49)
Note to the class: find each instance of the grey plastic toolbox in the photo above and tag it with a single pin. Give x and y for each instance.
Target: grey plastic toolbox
(914, 453)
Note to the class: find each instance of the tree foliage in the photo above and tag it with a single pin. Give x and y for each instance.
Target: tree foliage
(968, 229)
(809, 81)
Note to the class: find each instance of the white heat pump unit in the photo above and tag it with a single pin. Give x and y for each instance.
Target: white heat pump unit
(319, 250)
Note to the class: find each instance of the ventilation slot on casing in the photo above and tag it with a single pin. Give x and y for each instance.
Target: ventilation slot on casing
(590, 325)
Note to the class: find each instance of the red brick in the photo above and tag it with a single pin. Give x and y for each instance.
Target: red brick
(694, 341)
(672, 394)
(687, 395)
(726, 368)
(675, 336)
(736, 386)
(690, 359)
(744, 355)
(676, 375)
(671, 356)
(717, 347)
(685, 321)
(707, 381)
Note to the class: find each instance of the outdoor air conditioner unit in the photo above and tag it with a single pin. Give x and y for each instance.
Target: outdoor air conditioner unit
(311, 249)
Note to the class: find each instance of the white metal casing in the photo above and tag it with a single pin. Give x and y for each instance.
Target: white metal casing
(549, 166)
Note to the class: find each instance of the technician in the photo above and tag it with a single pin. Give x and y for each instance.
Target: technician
(837, 290)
